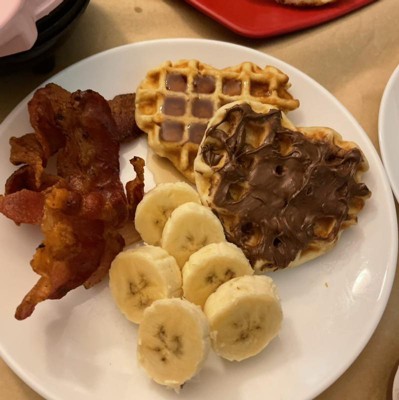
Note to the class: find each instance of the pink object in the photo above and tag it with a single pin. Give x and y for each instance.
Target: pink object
(18, 23)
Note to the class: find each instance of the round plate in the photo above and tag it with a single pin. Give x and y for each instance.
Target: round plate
(81, 347)
(388, 130)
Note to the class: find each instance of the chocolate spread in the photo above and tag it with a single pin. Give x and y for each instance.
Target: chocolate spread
(287, 191)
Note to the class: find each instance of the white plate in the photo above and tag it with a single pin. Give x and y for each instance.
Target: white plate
(81, 347)
(388, 130)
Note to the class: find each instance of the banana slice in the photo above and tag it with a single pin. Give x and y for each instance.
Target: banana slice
(190, 227)
(173, 341)
(209, 267)
(244, 316)
(157, 205)
(140, 276)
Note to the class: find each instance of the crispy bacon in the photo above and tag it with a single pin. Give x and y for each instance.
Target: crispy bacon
(47, 109)
(23, 207)
(135, 188)
(123, 109)
(84, 208)
(90, 158)
(70, 253)
(48, 112)
(26, 150)
(26, 178)
(114, 243)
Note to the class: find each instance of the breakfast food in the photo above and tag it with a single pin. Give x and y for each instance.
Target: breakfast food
(211, 266)
(216, 283)
(244, 315)
(173, 341)
(190, 227)
(140, 276)
(175, 102)
(81, 208)
(283, 194)
(157, 205)
(305, 3)
(122, 109)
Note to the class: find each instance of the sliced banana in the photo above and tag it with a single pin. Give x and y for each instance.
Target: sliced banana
(157, 205)
(140, 276)
(209, 267)
(244, 315)
(190, 227)
(173, 341)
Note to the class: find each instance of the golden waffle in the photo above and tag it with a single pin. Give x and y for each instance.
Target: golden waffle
(283, 194)
(175, 102)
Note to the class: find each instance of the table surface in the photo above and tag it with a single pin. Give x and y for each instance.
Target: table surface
(352, 57)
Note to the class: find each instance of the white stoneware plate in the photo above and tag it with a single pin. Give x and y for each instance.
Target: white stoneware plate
(82, 348)
(388, 130)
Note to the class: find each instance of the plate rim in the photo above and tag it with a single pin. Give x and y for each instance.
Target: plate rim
(25, 376)
(384, 147)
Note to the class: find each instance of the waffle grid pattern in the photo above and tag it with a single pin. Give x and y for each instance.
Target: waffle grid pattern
(175, 102)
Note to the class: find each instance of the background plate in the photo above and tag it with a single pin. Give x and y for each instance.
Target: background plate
(266, 18)
(388, 130)
(82, 348)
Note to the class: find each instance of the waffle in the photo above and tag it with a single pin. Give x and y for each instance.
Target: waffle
(175, 102)
(283, 194)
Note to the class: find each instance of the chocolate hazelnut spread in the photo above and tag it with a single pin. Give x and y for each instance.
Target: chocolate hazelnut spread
(286, 192)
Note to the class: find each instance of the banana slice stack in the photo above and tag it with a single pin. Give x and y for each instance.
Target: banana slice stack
(189, 289)
(157, 206)
(210, 267)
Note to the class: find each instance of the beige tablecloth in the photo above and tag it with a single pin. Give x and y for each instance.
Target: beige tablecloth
(352, 57)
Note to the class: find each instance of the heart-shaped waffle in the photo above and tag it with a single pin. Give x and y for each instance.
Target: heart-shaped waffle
(283, 194)
(175, 102)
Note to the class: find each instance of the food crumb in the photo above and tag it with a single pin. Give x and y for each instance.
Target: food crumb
(326, 284)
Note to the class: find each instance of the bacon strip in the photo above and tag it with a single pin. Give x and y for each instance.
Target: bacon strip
(84, 210)
(47, 109)
(123, 110)
(135, 188)
(26, 150)
(26, 177)
(24, 206)
(70, 253)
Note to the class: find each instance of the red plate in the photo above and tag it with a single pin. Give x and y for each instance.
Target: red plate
(266, 18)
